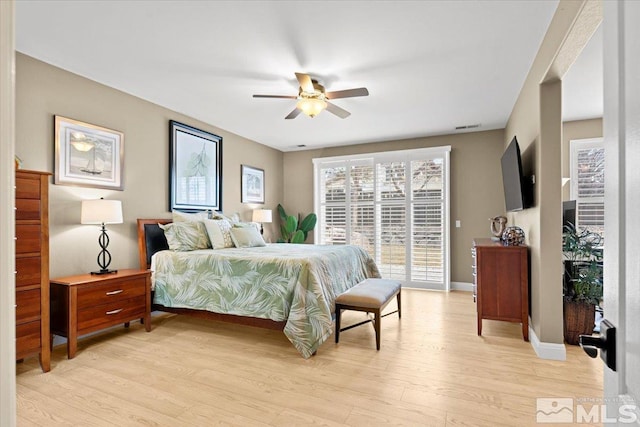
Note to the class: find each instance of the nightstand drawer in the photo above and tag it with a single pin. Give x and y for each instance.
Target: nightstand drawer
(113, 313)
(28, 239)
(27, 209)
(27, 306)
(28, 271)
(27, 339)
(118, 290)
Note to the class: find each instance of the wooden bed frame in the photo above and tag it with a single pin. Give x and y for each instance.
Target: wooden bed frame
(151, 240)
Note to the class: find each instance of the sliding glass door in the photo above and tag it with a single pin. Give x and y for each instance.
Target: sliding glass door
(394, 205)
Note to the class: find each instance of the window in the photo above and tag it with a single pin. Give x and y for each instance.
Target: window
(394, 205)
(587, 183)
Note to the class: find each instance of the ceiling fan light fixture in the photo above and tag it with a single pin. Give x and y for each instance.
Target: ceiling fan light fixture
(311, 106)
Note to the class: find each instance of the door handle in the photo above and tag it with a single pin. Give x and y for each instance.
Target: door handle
(606, 342)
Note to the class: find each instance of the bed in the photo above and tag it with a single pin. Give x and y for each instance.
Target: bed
(279, 286)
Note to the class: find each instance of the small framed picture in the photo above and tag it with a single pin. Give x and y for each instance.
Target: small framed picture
(88, 155)
(195, 158)
(252, 184)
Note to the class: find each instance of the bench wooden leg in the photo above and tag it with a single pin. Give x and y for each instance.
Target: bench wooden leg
(377, 327)
(338, 313)
(399, 309)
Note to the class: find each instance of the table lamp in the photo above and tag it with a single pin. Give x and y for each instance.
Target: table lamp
(102, 212)
(261, 216)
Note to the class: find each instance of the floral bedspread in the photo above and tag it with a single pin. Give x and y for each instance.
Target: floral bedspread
(282, 282)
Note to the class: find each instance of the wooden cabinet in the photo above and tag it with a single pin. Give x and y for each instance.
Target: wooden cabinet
(32, 266)
(86, 303)
(501, 283)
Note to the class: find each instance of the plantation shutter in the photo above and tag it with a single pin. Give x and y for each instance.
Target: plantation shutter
(392, 204)
(587, 183)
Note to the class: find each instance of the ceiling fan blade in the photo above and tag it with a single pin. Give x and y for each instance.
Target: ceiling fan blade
(293, 114)
(305, 82)
(275, 96)
(340, 112)
(349, 93)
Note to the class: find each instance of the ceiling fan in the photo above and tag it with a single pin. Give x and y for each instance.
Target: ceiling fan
(313, 98)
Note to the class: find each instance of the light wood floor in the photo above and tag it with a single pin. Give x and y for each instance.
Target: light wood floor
(432, 369)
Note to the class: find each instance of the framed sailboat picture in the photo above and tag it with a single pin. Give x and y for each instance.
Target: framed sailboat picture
(88, 155)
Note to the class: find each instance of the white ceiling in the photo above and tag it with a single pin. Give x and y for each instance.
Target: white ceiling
(429, 66)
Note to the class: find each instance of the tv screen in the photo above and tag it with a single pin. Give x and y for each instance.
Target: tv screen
(517, 189)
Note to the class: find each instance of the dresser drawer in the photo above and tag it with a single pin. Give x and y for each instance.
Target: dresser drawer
(27, 209)
(27, 306)
(101, 293)
(27, 188)
(28, 238)
(28, 271)
(112, 313)
(27, 339)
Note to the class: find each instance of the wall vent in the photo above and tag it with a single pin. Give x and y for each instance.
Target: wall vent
(477, 125)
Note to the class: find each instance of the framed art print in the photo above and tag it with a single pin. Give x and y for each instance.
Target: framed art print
(252, 184)
(195, 158)
(88, 155)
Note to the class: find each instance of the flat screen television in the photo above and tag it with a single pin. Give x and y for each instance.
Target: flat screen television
(518, 189)
(568, 213)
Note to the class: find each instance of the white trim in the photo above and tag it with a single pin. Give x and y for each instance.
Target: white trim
(403, 153)
(7, 216)
(462, 286)
(546, 350)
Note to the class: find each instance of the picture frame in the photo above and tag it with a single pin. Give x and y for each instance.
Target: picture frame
(195, 169)
(252, 184)
(88, 155)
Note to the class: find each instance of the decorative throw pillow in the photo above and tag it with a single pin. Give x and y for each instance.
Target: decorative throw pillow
(255, 225)
(219, 231)
(246, 237)
(218, 215)
(189, 217)
(186, 236)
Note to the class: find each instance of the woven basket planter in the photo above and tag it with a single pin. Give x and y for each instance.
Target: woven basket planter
(579, 319)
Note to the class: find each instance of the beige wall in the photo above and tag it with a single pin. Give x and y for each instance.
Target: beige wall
(579, 129)
(535, 120)
(43, 91)
(476, 184)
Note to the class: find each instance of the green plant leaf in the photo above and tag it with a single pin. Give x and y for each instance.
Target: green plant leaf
(298, 237)
(308, 223)
(291, 225)
(282, 213)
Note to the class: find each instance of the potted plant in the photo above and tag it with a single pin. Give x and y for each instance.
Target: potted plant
(295, 230)
(582, 284)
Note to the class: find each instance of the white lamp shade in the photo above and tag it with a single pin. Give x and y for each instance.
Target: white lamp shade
(101, 212)
(261, 215)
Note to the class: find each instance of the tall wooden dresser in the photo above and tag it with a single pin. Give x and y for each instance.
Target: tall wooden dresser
(32, 266)
(501, 288)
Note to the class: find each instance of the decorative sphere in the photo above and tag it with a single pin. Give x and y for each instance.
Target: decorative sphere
(513, 236)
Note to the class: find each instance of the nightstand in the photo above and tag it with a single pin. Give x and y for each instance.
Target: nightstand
(87, 303)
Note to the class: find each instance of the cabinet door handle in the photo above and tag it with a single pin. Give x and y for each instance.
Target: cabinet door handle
(119, 291)
(114, 311)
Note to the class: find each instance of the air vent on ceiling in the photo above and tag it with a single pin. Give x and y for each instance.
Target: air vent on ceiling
(477, 125)
(301, 145)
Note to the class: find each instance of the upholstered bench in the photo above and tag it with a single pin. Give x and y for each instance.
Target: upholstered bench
(371, 296)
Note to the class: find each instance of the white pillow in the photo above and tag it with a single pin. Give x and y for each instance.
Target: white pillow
(185, 235)
(189, 217)
(219, 231)
(246, 237)
(255, 225)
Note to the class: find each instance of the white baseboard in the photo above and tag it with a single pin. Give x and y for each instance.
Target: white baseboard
(461, 286)
(546, 350)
